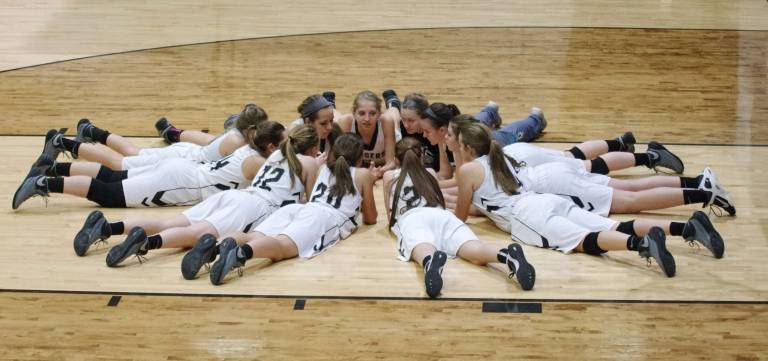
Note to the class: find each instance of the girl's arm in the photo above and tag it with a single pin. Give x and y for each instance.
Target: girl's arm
(365, 181)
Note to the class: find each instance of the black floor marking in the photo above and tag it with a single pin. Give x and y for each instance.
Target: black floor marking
(299, 305)
(512, 307)
(392, 298)
(114, 301)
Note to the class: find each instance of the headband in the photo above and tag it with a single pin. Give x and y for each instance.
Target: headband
(314, 106)
(431, 115)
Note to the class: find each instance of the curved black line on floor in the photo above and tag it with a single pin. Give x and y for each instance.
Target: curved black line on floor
(369, 31)
(389, 298)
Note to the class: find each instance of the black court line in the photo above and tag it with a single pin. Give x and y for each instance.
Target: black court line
(576, 141)
(114, 301)
(299, 305)
(511, 307)
(373, 31)
(388, 298)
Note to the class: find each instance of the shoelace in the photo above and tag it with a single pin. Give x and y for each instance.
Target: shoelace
(141, 258)
(716, 210)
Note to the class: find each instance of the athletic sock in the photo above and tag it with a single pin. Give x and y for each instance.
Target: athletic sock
(634, 243)
(116, 227)
(69, 145)
(676, 228)
(154, 242)
(174, 134)
(426, 262)
(614, 145)
(502, 255)
(690, 182)
(59, 170)
(642, 159)
(51, 184)
(244, 253)
(99, 135)
(691, 196)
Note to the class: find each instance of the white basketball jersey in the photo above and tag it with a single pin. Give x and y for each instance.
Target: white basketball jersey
(348, 205)
(408, 199)
(211, 151)
(374, 152)
(273, 182)
(492, 201)
(225, 173)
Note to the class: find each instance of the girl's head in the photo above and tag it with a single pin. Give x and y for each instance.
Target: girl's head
(317, 111)
(347, 152)
(251, 115)
(451, 136)
(265, 137)
(412, 112)
(300, 140)
(408, 152)
(435, 123)
(366, 109)
(476, 138)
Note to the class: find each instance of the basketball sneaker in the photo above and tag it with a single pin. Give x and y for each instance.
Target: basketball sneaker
(720, 198)
(83, 135)
(231, 121)
(654, 246)
(699, 228)
(661, 157)
(203, 253)
(524, 271)
(391, 99)
(94, 230)
(34, 184)
(433, 279)
(227, 261)
(330, 96)
(134, 244)
(627, 141)
(539, 114)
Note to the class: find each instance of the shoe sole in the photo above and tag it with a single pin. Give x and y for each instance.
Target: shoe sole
(659, 252)
(433, 281)
(222, 267)
(17, 201)
(525, 274)
(194, 259)
(86, 237)
(715, 240)
(130, 246)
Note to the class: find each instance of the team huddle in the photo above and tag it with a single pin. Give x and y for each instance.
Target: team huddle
(259, 190)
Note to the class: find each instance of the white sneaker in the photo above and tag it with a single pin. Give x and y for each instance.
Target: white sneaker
(720, 198)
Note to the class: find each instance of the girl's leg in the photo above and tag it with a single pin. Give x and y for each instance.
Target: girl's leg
(122, 145)
(478, 253)
(196, 137)
(154, 226)
(645, 183)
(259, 245)
(432, 262)
(651, 246)
(185, 236)
(656, 198)
(481, 254)
(100, 154)
(591, 149)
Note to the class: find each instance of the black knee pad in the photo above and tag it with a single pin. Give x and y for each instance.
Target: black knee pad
(107, 194)
(590, 245)
(627, 227)
(599, 166)
(577, 153)
(108, 175)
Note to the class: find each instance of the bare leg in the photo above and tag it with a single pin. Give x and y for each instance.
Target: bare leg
(644, 225)
(421, 251)
(154, 226)
(89, 169)
(196, 137)
(609, 241)
(656, 198)
(593, 148)
(645, 183)
(101, 154)
(478, 253)
(275, 248)
(615, 161)
(122, 145)
(185, 237)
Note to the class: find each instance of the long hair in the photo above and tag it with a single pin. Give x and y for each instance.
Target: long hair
(299, 140)
(416, 102)
(264, 134)
(346, 151)
(250, 116)
(366, 95)
(440, 114)
(408, 152)
(478, 137)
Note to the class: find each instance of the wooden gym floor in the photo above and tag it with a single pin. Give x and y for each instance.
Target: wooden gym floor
(693, 75)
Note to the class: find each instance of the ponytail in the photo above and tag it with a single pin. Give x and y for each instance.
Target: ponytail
(299, 140)
(408, 152)
(347, 150)
(344, 183)
(478, 137)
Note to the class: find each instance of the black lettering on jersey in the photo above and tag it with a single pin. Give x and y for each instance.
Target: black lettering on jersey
(321, 246)
(291, 201)
(155, 200)
(276, 174)
(488, 207)
(221, 163)
(321, 189)
(581, 204)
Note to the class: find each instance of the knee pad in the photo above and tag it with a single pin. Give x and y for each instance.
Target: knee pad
(590, 245)
(627, 227)
(577, 153)
(599, 166)
(107, 194)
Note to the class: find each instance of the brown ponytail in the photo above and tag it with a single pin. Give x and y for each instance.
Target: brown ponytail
(478, 137)
(408, 152)
(346, 152)
(299, 140)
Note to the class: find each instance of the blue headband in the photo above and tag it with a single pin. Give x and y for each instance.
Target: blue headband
(313, 107)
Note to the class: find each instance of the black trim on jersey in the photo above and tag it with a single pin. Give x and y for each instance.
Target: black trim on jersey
(368, 147)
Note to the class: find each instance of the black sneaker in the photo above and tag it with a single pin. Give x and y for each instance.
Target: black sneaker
(50, 151)
(495, 116)
(94, 229)
(699, 228)
(83, 135)
(391, 99)
(627, 141)
(433, 279)
(163, 127)
(134, 244)
(662, 157)
(227, 261)
(330, 96)
(203, 253)
(525, 273)
(30, 187)
(231, 121)
(654, 246)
